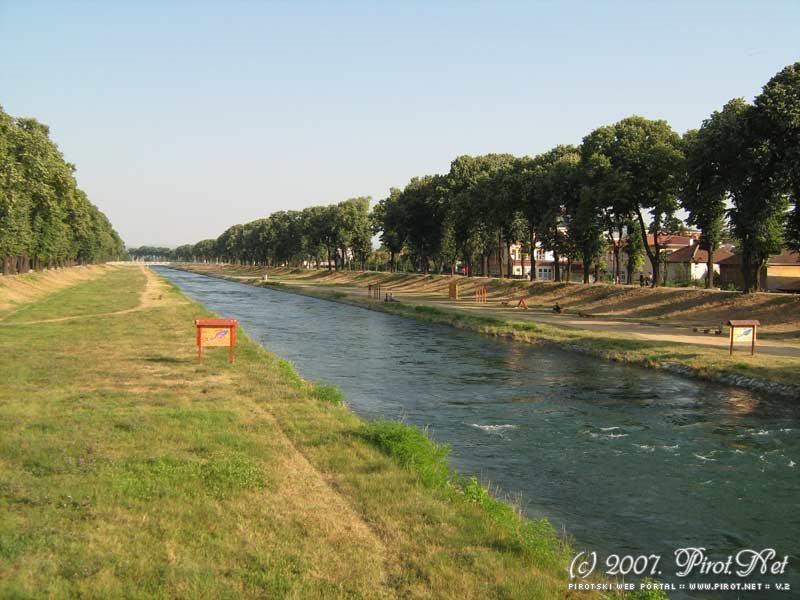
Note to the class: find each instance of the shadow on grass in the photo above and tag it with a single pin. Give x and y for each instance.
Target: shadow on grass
(166, 360)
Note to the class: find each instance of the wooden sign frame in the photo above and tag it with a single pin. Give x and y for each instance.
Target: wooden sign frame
(220, 325)
(744, 324)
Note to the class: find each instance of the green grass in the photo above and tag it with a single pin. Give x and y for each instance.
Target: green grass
(411, 448)
(327, 392)
(128, 470)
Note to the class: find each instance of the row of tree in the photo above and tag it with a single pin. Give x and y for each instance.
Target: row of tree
(339, 236)
(45, 220)
(738, 173)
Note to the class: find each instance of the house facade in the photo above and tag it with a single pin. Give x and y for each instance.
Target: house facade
(780, 274)
(690, 263)
(544, 263)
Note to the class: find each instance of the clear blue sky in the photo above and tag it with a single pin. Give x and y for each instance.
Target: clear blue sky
(186, 117)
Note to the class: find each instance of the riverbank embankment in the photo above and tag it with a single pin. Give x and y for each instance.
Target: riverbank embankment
(670, 348)
(129, 469)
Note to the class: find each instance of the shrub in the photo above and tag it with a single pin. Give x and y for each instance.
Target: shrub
(327, 392)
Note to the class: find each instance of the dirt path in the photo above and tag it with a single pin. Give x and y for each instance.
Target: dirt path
(155, 293)
(664, 333)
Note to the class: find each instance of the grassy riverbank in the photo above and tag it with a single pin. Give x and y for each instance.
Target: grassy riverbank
(127, 470)
(776, 374)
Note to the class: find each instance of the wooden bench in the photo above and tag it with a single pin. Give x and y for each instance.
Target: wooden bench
(716, 330)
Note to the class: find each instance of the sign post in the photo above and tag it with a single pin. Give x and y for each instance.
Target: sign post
(452, 290)
(216, 332)
(744, 331)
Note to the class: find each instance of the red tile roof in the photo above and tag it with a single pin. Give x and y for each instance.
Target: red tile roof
(787, 258)
(671, 240)
(696, 255)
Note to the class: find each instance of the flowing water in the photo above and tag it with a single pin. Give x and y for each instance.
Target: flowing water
(626, 460)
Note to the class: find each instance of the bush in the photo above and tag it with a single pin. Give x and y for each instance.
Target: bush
(327, 392)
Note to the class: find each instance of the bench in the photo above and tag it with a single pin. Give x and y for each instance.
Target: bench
(716, 330)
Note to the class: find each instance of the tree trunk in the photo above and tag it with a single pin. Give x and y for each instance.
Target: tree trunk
(510, 262)
(760, 285)
(586, 266)
(654, 255)
(500, 255)
(556, 266)
(533, 254)
(747, 270)
(710, 272)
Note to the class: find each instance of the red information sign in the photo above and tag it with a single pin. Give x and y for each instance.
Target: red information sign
(215, 332)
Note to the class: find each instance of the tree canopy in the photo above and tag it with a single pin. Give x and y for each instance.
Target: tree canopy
(45, 219)
(625, 188)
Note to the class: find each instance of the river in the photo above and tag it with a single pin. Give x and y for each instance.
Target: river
(626, 460)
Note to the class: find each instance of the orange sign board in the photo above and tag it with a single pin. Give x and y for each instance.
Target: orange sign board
(215, 336)
(215, 332)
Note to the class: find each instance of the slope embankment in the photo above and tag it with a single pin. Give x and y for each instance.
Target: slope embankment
(683, 307)
(18, 290)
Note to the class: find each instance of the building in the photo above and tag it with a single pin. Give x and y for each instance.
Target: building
(690, 263)
(544, 263)
(780, 274)
(668, 245)
(783, 272)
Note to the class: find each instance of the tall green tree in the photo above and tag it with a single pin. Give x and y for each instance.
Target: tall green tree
(425, 205)
(747, 168)
(645, 162)
(703, 191)
(389, 221)
(559, 187)
(778, 113)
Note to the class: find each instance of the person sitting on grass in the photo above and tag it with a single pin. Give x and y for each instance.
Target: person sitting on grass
(557, 309)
